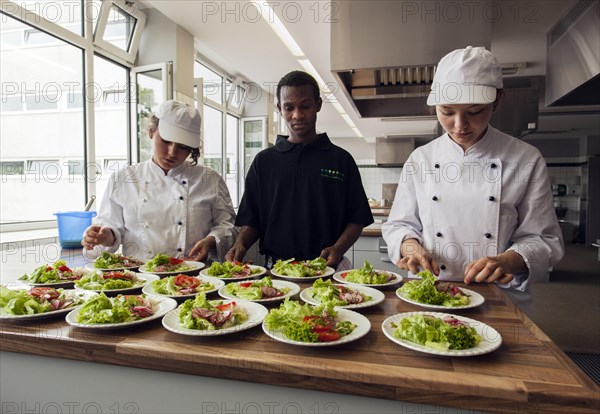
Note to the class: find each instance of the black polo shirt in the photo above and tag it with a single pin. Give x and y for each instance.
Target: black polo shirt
(301, 197)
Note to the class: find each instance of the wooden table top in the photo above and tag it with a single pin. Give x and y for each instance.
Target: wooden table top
(528, 373)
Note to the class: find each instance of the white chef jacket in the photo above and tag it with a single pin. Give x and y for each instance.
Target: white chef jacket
(150, 212)
(464, 205)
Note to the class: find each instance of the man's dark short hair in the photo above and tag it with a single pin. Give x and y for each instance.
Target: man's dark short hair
(298, 78)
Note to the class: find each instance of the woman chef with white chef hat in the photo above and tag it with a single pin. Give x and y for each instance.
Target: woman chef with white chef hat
(475, 204)
(166, 204)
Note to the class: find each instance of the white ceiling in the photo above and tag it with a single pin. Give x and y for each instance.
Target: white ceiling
(233, 36)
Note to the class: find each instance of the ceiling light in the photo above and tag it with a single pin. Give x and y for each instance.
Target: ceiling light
(271, 18)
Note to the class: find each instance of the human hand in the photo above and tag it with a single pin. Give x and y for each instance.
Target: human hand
(202, 248)
(490, 269)
(416, 258)
(332, 255)
(236, 253)
(97, 235)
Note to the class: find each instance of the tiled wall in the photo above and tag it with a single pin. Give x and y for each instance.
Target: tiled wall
(373, 177)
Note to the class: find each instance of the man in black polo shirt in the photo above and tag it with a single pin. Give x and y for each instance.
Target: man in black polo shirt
(304, 196)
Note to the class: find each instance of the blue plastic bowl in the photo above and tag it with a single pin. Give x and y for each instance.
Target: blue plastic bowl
(71, 225)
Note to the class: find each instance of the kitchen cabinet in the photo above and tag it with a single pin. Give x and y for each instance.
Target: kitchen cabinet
(369, 249)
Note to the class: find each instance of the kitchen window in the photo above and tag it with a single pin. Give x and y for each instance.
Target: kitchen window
(49, 151)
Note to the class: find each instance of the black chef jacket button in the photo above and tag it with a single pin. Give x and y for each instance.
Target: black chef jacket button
(180, 223)
(488, 235)
(181, 198)
(437, 165)
(438, 234)
(443, 267)
(493, 165)
(492, 198)
(184, 182)
(434, 198)
(180, 249)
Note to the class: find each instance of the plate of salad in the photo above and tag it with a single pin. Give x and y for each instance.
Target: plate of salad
(367, 276)
(263, 290)
(114, 281)
(115, 261)
(203, 317)
(429, 292)
(55, 274)
(18, 302)
(165, 265)
(342, 296)
(183, 286)
(233, 270)
(293, 269)
(441, 334)
(303, 324)
(102, 312)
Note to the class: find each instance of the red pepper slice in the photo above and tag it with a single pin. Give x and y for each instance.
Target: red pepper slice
(175, 261)
(225, 306)
(246, 284)
(64, 268)
(186, 281)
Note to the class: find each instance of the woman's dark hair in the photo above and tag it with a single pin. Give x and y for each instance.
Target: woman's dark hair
(153, 125)
(298, 78)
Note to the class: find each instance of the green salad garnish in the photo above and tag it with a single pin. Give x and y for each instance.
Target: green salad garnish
(366, 275)
(256, 289)
(113, 280)
(165, 263)
(122, 308)
(339, 295)
(37, 300)
(58, 272)
(306, 323)
(231, 270)
(202, 314)
(305, 268)
(442, 334)
(108, 260)
(430, 290)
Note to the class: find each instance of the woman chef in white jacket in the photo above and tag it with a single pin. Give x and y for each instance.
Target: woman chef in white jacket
(166, 204)
(475, 204)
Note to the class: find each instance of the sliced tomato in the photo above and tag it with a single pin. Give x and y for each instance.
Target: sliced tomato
(186, 281)
(175, 261)
(328, 336)
(117, 275)
(64, 268)
(48, 268)
(246, 284)
(39, 292)
(226, 306)
(344, 275)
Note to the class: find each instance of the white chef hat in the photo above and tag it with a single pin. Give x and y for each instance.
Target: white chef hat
(466, 76)
(179, 122)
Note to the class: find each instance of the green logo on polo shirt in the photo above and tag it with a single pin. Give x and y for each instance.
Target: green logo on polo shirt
(334, 174)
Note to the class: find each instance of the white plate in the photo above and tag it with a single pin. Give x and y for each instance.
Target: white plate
(195, 267)
(377, 297)
(204, 272)
(491, 339)
(147, 278)
(340, 278)
(9, 317)
(328, 272)
(256, 314)
(363, 326)
(475, 299)
(161, 306)
(278, 284)
(216, 282)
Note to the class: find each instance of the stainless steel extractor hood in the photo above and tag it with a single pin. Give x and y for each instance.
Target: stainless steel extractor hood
(573, 63)
(384, 56)
(384, 53)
